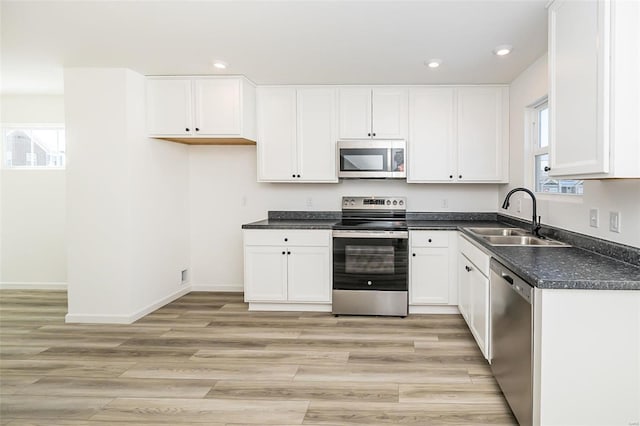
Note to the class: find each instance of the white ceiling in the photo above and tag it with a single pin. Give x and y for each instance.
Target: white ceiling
(272, 42)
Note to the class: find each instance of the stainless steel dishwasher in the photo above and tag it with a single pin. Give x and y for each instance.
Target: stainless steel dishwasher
(512, 339)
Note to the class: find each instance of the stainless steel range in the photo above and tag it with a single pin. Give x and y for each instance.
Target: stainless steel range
(370, 257)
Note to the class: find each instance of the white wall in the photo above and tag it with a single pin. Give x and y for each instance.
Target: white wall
(126, 201)
(224, 194)
(566, 212)
(32, 206)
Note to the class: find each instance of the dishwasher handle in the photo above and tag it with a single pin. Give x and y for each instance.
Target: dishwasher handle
(518, 285)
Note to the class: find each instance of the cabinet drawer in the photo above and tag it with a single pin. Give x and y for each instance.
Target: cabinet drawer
(429, 239)
(287, 237)
(478, 257)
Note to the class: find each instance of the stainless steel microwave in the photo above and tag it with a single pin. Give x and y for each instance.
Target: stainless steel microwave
(372, 159)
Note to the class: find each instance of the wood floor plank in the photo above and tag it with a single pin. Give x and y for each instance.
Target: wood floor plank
(364, 413)
(34, 407)
(117, 387)
(212, 371)
(67, 368)
(273, 357)
(319, 391)
(374, 373)
(207, 411)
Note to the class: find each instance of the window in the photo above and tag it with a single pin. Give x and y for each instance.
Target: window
(33, 146)
(540, 149)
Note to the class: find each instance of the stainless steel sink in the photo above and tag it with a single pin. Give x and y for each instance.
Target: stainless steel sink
(498, 231)
(522, 240)
(504, 236)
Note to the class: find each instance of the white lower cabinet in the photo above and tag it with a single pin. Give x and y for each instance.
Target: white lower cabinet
(287, 269)
(473, 290)
(432, 271)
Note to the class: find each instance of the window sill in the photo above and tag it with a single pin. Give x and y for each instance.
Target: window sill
(561, 198)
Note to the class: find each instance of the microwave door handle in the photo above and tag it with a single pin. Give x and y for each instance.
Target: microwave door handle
(389, 159)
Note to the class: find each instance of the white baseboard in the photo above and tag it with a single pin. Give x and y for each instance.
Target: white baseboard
(232, 288)
(434, 309)
(126, 319)
(303, 307)
(33, 286)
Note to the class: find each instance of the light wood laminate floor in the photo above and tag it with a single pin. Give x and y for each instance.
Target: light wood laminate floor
(204, 359)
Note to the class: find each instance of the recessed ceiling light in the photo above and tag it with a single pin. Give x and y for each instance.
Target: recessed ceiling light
(221, 65)
(503, 49)
(433, 63)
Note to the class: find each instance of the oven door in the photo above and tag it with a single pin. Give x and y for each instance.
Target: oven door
(370, 260)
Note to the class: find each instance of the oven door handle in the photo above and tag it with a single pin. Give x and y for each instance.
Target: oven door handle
(402, 235)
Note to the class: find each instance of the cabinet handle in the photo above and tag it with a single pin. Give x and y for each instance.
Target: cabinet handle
(186, 129)
(547, 168)
(459, 176)
(293, 175)
(298, 176)
(468, 268)
(450, 176)
(288, 253)
(197, 129)
(368, 134)
(286, 239)
(282, 252)
(414, 255)
(429, 239)
(374, 134)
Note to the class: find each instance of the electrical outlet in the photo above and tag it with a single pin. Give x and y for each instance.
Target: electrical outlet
(519, 209)
(594, 218)
(184, 276)
(309, 202)
(244, 201)
(614, 221)
(444, 203)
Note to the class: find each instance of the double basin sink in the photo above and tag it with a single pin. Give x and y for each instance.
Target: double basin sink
(513, 237)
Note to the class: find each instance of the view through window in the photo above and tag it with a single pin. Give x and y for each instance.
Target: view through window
(32, 146)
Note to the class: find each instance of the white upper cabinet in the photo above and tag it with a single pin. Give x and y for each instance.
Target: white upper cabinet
(201, 109)
(297, 134)
(483, 129)
(594, 122)
(458, 134)
(432, 143)
(217, 109)
(169, 106)
(277, 134)
(317, 134)
(378, 113)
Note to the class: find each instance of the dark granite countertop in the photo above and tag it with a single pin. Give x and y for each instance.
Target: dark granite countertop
(291, 224)
(542, 267)
(564, 267)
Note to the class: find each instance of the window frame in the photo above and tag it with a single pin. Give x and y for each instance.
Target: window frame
(7, 127)
(535, 150)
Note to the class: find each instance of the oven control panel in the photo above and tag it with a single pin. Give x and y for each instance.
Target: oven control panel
(374, 203)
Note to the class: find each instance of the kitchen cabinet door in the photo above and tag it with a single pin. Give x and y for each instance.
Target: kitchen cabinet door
(429, 276)
(169, 106)
(317, 134)
(464, 288)
(431, 142)
(577, 48)
(309, 272)
(355, 113)
(389, 109)
(479, 326)
(276, 144)
(482, 128)
(594, 86)
(217, 110)
(265, 274)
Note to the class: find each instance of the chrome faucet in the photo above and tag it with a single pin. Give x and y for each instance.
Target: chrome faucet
(535, 221)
